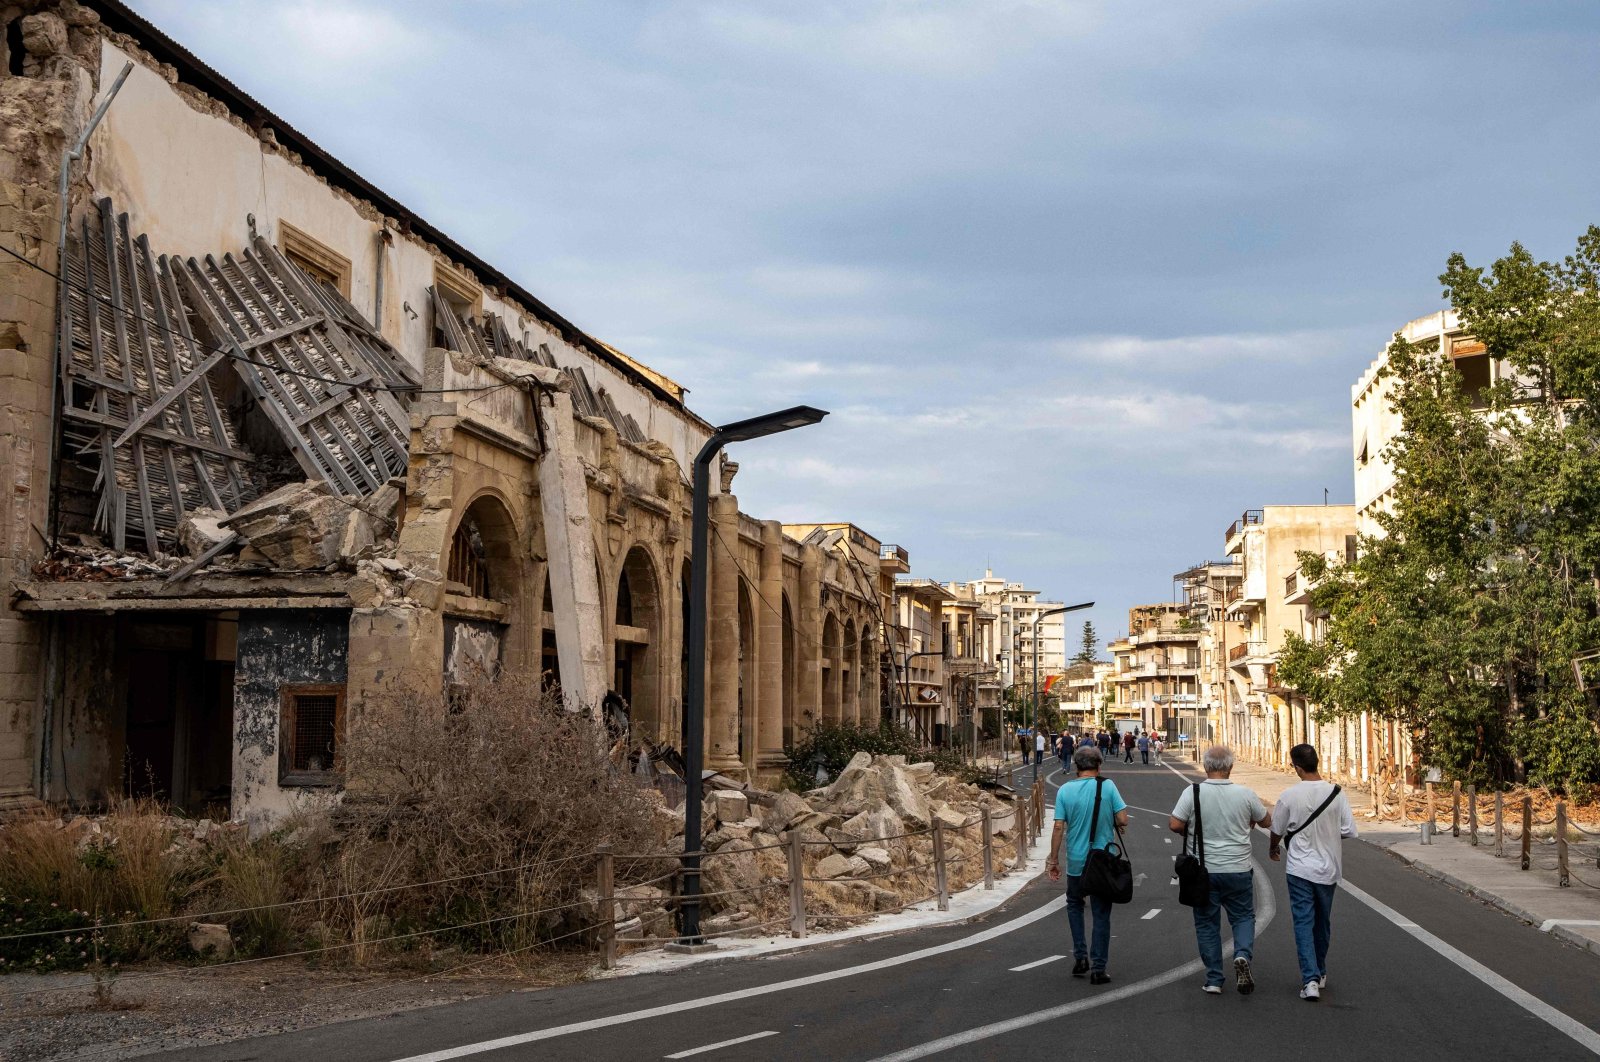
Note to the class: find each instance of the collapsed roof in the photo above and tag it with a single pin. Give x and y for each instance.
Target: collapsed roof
(146, 339)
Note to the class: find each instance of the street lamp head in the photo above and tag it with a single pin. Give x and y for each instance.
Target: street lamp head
(770, 424)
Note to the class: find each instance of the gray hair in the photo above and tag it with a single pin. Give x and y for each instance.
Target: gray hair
(1217, 758)
(1087, 758)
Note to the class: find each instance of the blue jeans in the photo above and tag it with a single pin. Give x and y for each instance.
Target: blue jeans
(1312, 905)
(1099, 949)
(1236, 892)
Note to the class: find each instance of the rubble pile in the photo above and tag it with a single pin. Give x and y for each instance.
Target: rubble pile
(867, 838)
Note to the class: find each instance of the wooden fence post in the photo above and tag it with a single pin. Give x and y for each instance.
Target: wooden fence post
(988, 849)
(1019, 824)
(1433, 819)
(1527, 832)
(1562, 879)
(941, 878)
(1455, 809)
(1472, 813)
(797, 885)
(605, 882)
(1499, 824)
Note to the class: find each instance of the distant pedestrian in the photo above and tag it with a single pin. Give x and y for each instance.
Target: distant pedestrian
(1144, 748)
(1105, 744)
(1086, 741)
(1312, 818)
(1216, 816)
(1038, 747)
(1083, 830)
(1156, 746)
(1127, 747)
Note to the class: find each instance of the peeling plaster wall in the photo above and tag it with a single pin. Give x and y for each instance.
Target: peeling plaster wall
(278, 647)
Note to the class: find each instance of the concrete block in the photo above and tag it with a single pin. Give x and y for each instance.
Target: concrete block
(731, 805)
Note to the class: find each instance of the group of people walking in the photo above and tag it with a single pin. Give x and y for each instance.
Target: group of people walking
(1216, 817)
(1109, 742)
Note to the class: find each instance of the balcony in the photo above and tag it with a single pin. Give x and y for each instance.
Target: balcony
(1232, 540)
(893, 558)
(1250, 652)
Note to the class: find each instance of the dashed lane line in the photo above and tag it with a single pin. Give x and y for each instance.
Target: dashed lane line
(723, 1043)
(1150, 914)
(536, 1035)
(1037, 963)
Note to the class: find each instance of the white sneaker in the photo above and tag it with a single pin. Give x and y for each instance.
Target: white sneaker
(1211, 990)
(1322, 982)
(1311, 992)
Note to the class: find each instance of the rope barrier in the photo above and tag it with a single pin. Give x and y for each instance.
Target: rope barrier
(213, 915)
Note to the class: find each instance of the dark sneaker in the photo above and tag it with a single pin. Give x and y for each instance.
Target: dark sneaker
(1241, 970)
(1099, 977)
(1080, 968)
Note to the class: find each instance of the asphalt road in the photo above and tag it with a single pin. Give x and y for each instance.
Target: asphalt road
(1416, 970)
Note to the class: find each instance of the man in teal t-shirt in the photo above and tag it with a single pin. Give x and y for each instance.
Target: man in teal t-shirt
(1074, 809)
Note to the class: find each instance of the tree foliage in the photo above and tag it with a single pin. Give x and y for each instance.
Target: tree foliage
(1088, 645)
(1461, 620)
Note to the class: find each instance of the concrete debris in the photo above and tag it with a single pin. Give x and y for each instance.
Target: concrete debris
(834, 866)
(731, 805)
(875, 857)
(210, 940)
(201, 530)
(302, 525)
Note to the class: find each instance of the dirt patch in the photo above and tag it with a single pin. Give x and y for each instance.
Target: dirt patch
(144, 1013)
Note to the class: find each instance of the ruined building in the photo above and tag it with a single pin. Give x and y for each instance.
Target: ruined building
(274, 444)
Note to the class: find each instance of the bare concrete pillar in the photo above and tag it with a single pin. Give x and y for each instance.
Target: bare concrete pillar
(769, 759)
(722, 639)
(569, 544)
(809, 637)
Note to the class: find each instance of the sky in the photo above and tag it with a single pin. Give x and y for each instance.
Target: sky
(1078, 281)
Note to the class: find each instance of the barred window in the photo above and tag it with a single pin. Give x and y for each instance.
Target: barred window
(311, 730)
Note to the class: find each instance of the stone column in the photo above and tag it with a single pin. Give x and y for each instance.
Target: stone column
(722, 639)
(769, 758)
(808, 639)
(569, 545)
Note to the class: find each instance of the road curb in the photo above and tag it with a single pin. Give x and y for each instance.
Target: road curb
(1500, 903)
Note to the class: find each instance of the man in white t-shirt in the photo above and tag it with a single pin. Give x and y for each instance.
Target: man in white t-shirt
(1227, 814)
(1312, 819)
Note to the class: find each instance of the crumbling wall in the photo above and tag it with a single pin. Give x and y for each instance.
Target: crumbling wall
(277, 647)
(41, 110)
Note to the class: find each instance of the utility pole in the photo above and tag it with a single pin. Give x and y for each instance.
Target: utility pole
(1036, 621)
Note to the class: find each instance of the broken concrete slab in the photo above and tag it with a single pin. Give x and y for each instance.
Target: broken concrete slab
(201, 530)
(875, 857)
(297, 526)
(731, 805)
(834, 866)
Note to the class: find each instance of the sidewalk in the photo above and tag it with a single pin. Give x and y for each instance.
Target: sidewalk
(1571, 914)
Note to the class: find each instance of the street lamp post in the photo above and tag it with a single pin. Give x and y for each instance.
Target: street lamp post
(694, 700)
(1036, 621)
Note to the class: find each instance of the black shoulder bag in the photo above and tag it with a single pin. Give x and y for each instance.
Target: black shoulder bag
(1291, 834)
(1106, 873)
(1194, 882)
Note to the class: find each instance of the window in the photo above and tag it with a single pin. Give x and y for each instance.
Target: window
(321, 262)
(310, 731)
(469, 561)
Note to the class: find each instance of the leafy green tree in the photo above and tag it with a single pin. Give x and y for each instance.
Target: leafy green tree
(1462, 620)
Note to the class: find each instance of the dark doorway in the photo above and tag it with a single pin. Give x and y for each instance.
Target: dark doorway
(178, 731)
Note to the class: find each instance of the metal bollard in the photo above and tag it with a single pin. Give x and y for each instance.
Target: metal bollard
(1455, 809)
(1562, 879)
(1527, 832)
(605, 883)
(941, 872)
(1427, 833)
(988, 850)
(797, 885)
(1472, 813)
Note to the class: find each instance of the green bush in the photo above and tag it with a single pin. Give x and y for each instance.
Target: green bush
(832, 745)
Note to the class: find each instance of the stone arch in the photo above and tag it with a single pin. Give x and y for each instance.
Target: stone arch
(831, 652)
(791, 673)
(487, 571)
(638, 636)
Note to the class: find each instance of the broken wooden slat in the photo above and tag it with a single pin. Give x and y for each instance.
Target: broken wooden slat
(194, 564)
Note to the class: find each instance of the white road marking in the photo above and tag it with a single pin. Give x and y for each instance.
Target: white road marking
(1550, 923)
(1522, 998)
(554, 1032)
(722, 1044)
(1037, 962)
(1264, 902)
(1150, 914)
(1169, 839)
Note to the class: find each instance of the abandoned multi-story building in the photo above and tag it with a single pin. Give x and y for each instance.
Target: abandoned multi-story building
(274, 444)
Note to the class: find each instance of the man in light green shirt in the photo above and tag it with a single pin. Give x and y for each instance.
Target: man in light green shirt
(1227, 813)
